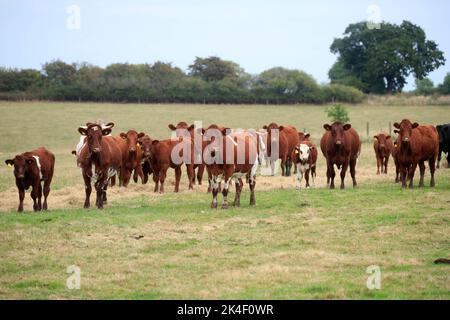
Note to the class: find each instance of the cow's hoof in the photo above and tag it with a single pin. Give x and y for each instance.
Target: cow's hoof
(224, 206)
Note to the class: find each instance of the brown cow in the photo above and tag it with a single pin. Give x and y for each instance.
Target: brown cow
(287, 140)
(305, 159)
(100, 158)
(132, 157)
(416, 144)
(302, 136)
(382, 144)
(161, 158)
(394, 152)
(231, 157)
(30, 169)
(340, 145)
(146, 144)
(181, 129)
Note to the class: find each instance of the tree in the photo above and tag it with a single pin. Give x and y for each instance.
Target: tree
(381, 59)
(424, 87)
(337, 113)
(215, 69)
(444, 88)
(59, 73)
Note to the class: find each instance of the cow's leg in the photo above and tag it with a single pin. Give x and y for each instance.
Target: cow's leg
(46, 192)
(21, 197)
(191, 175)
(353, 171)
(307, 178)
(39, 196)
(343, 172)
(331, 173)
(144, 176)
(432, 163)
(422, 173)
(237, 196)
(87, 189)
(200, 171)
(299, 177)
(126, 178)
(386, 161)
(105, 198)
(252, 184)
(313, 176)
(162, 178)
(283, 166)
(412, 170)
(288, 166)
(295, 167)
(438, 159)
(140, 173)
(215, 191)
(156, 180)
(272, 167)
(209, 180)
(226, 185)
(178, 178)
(34, 192)
(100, 187)
(378, 164)
(113, 181)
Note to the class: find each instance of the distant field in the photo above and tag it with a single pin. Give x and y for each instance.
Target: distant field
(293, 244)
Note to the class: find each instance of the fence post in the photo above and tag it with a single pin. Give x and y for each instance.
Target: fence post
(390, 128)
(367, 130)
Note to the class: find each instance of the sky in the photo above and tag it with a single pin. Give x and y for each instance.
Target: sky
(256, 34)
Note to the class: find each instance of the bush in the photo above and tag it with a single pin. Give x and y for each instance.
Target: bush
(342, 93)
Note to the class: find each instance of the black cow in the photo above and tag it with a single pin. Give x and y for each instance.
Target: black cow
(444, 142)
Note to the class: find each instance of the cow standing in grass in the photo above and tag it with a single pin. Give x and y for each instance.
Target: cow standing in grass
(416, 144)
(382, 144)
(305, 160)
(394, 152)
(341, 146)
(30, 170)
(131, 157)
(444, 143)
(99, 159)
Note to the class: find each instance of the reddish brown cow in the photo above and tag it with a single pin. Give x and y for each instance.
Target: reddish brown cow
(146, 144)
(231, 157)
(101, 159)
(416, 144)
(340, 145)
(161, 158)
(131, 157)
(305, 159)
(183, 129)
(382, 144)
(288, 138)
(30, 169)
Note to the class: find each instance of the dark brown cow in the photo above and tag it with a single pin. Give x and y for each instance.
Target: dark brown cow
(30, 169)
(100, 158)
(288, 139)
(226, 165)
(146, 144)
(340, 145)
(305, 160)
(132, 157)
(382, 144)
(160, 157)
(182, 128)
(416, 144)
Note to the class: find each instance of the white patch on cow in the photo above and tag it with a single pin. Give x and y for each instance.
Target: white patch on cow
(39, 166)
(81, 144)
(304, 152)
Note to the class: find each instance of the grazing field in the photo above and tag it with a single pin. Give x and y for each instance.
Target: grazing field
(294, 244)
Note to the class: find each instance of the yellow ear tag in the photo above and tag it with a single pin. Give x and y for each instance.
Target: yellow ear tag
(296, 151)
(138, 144)
(9, 165)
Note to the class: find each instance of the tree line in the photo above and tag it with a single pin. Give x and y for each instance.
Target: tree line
(368, 61)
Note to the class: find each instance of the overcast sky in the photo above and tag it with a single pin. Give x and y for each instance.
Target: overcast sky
(257, 34)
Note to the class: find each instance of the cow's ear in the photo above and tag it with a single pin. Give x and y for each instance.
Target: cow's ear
(141, 135)
(106, 131)
(155, 142)
(312, 148)
(388, 137)
(82, 131)
(280, 128)
(172, 127)
(307, 135)
(123, 135)
(415, 125)
(264, 127)
(397, 125)
(9, 162)
(74, 153)
(191, 127)
(397, 131)
(347, 126)
(109, 125)
(375, 137)
(327, 127)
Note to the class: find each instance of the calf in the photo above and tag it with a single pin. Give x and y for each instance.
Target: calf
(100, 159)
(146, 144)
(30, 169)
(444, 142)
(382, 144)
(341, 146)
(231, 157)
(305, 159)
(161, 157)
(131, 157)
(416, 144)
(286, 141)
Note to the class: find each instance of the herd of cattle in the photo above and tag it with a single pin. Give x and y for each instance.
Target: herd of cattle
(227, 156)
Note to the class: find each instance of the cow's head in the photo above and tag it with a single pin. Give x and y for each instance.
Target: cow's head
(337, 132)
(132, 138)
(146, 146)
(23, 164)
(302, 152)
(181, 128)
(94, 133)
(405, 127)
(303, 136)
(272, 138)
(382, 139)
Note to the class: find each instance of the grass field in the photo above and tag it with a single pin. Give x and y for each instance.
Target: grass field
(294, 244)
